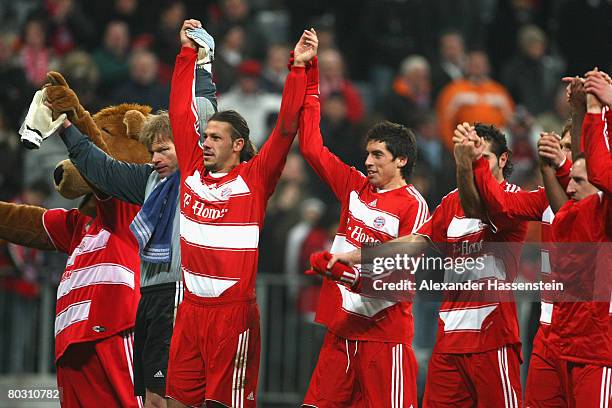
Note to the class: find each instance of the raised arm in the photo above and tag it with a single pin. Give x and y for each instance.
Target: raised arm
(522, 205)
(333, 171)
(466, 151)
(182, 111)
(271, 158)
(555, 191)
(576, 97)
(596, 130)
(126, 181)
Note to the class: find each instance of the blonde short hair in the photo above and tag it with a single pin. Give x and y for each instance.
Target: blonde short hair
(155, 128)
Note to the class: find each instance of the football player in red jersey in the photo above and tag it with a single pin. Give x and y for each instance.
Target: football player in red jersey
(543, 383)
(476, 357)
(214, 352)
(582, 329)
(367, 357)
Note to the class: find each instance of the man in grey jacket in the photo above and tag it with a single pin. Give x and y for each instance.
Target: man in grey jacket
(156, 227)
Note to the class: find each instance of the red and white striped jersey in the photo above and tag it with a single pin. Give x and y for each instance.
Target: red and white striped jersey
(368, 216)
(99, 291)
(525, 206)
(466, 325)
(222, 215)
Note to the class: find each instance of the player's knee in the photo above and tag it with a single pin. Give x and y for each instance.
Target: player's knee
(155, 399)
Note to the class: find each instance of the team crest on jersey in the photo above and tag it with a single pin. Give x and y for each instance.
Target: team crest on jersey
(379, 222)
(226, 192)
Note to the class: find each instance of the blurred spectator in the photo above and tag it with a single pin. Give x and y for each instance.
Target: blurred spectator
(434, 174)
(339, 134)
(581, 24)
(81, 73)
(275, 69)
(532, 76)
(140, 18)
(451, 61)
(36, 57)
(112, 57)
(282, 213)
(477, 98)
(392, 29)
(237, 13)
(333, 79)
(11, 165)
(508, 18)
(142, 86)
(69, 26)
(321, 236)
(342, 138)
(410, 96)
(228, 56)
(166, 44)
(312, 210)
(326, 32)
(20, 285)
(554, 119)
(251, 101)
(523, 134)
(15, 92)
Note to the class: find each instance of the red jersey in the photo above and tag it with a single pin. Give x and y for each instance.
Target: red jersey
(467, 326)
(368, 216)
(596, 140)
(99, 291)
(222, 215)
(583, 328)
(525, 206)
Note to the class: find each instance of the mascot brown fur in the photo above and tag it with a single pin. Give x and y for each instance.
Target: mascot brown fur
(99, 290)
(114, 129)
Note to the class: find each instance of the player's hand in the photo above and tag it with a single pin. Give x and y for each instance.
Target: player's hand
(575, 93)
(598, 83)
(348, 258)
(186, 41)
(549, 150)
(339, 272)
(468, 145)
(462, 132)
(306, 48)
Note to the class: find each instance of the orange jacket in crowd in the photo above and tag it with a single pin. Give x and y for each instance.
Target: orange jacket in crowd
(465, 101)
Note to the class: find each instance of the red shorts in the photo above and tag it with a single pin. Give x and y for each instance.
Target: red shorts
(546, 378)
(484, 380)
(589, 386)
(355, 373)
(214, 354)
(98, 374)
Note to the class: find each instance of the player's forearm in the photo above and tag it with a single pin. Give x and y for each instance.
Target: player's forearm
(468, 193)
(274, 152)
(522, 205)
(554, 191)
(182, 116)
(597, 151)
(577, 119)
(291, 104)
(410, 245)
(563, 173)
(126, 181)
